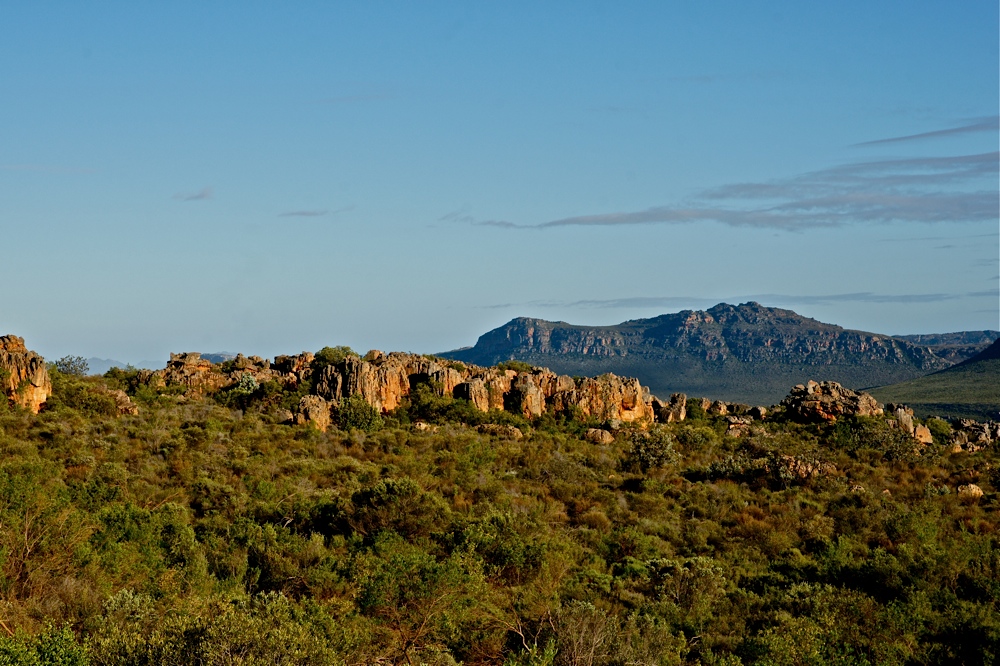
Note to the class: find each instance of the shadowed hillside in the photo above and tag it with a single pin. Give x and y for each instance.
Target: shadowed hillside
(970, 389)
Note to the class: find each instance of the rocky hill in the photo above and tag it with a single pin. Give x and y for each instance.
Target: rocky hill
(746, 353)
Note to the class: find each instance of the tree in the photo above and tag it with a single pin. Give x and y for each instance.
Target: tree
(72, 365)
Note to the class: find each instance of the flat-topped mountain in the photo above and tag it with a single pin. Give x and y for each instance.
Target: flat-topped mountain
(748, 353)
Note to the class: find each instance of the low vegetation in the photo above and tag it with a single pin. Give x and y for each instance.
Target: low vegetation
(202, 531)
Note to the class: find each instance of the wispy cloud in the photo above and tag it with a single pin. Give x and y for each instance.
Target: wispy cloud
(315, 213)
(304, 213)
(462, 216)
(722, 78)
(960, 188)
(203, 194)
(44, 168)
(988, 124)
(353, 99)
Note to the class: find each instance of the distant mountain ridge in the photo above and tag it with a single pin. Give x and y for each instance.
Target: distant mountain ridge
(970, 389)
(748, 352)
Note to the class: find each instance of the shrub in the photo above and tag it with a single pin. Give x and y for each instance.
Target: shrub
(650, 449)
(356, 414)
(332, 356)
(517, 366)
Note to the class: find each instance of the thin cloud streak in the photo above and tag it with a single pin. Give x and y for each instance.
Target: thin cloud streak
(304, 213)
(926, 189)
(989, 124)
(772, 300)
(44, 168)
(202, 195)
(353, 99)
(315, 213)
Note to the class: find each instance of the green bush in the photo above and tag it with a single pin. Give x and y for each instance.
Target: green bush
(355, 413)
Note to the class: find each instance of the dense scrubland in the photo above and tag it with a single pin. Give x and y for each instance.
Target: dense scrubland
(203, 531)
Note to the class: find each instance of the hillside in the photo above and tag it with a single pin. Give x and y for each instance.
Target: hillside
(747, 353)
(970, 389)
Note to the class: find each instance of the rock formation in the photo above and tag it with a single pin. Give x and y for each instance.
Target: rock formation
(24, 378)
(828, 401)
(673, 411)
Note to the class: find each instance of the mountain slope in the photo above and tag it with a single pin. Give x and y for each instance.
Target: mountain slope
(747, 353)
(970, 389)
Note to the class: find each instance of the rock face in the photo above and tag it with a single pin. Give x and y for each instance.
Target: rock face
(828, 401)
(24, 379)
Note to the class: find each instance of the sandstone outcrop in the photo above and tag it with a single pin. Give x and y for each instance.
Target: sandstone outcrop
(828, 401)
(193, 372)
(315, 410)
(24, 378)
(673, 411)
(902, 416)
(923, 434)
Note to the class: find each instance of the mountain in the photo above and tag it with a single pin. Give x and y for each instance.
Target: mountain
(98, 366)
(970, 389)
(746, 353)
(954, 347)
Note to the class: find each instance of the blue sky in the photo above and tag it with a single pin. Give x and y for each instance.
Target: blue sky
(269, 178)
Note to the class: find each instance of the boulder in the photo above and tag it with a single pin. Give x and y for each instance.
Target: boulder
(718, 408)
(500, 430)
(24, 378)
(599, 436)
(123, 403)
(739, 426)
(827, 401)
(970, 491)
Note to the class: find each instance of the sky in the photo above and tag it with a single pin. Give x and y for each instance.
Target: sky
(278, 177)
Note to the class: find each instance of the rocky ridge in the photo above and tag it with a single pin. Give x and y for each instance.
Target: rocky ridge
(385, 380)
